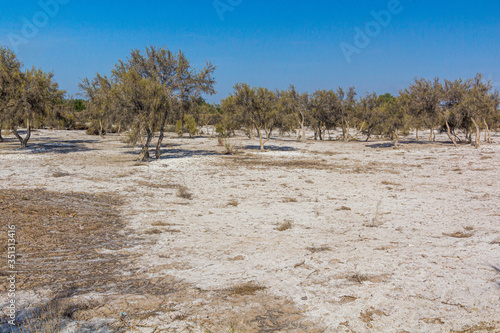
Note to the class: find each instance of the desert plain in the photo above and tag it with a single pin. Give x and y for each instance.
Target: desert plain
(322, 236)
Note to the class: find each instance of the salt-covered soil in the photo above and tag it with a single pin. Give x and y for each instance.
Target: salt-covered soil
(305, 237)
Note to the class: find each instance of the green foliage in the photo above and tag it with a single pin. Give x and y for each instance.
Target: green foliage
(79, 105)
(179, 127)
(190, 124)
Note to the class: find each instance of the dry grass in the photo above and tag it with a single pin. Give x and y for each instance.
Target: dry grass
(460, 234)
(288, 199)
(319, 249)
(252, 161)
(150, 184)
(375, 221)
(233, 202)
(246, 289)
(59, 174)
(360, 278)
(390, 183)
(344, 208)
(161, 224)
(153, 232)
(285, 225)
(183, 192)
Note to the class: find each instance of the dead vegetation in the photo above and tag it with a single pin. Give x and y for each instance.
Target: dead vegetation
(315, 249)
(183, 192)
(375, 221)
(59, 174)
(466, 233)
(233, 202)
(287, 224)
(246, 289)
(252, 161)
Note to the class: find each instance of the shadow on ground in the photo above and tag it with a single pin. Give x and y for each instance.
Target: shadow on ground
(49, 145)
(390, 144)
(270, 147)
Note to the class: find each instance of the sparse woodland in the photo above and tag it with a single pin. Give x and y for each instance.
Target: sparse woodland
(155, 91)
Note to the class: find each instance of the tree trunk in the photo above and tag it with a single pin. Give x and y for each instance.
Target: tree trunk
(345, 132)
(23, 141)
(432, 137)
(416, 133)
(449, 134)
(100, 127)
(252, 137)
(487, 132)
(478, 134)
(1, 138)
(145, 148)
(303, 129)
(260, 139)
(360, 130)
(396, 139)
(162, 133)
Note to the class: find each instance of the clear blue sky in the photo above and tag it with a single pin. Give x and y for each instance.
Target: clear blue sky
(265, 43)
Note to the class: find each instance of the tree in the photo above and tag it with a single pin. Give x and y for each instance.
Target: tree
(324, 104)
(144, 99)
(178, 79)
(423, 99)
(479, 105)
(99, 93)
(368, 115)
(10, 85)
(294, 109)
(345, 111)
(470, 106)
(395, 118)
(146, 87)
(39, 94)
(255, 108)
(207, 115)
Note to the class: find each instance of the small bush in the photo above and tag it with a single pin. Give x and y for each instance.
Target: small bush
(233, 202)
(230, 147)
(285, 226)
(183, 192)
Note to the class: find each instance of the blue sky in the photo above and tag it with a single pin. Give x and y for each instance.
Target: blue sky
(264, 43)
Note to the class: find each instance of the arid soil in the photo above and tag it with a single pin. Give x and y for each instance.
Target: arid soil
(305, 237)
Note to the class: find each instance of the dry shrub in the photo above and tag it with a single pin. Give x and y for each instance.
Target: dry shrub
(390, 183)
(153, 232)
(459, 234)
(246, 289)
(319, 249)
(233, 202)
(183, 192)
(58, 174)
(289, 199)
(287, 224)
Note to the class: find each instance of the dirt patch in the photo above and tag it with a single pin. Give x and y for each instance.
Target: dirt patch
(76, 245)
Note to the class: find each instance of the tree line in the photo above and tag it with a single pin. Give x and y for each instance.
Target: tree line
(156, 90)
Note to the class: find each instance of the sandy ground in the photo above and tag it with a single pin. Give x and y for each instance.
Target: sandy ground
(315, 237)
